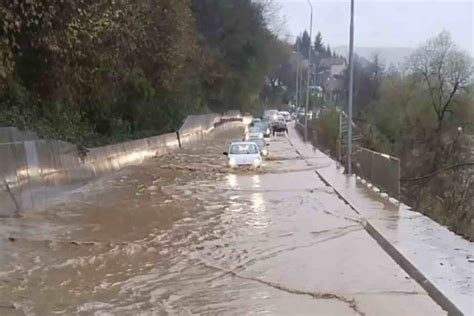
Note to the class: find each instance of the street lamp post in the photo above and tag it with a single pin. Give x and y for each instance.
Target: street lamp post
(350, 89)
(297, 71)
(309, 72)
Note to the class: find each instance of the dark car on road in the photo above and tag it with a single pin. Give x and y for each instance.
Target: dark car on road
(266, 127)
(279, 127)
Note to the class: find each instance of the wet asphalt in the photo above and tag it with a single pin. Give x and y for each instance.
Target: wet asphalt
(183, 234)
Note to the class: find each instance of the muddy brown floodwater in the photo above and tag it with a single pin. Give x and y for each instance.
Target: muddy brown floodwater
(183, 234)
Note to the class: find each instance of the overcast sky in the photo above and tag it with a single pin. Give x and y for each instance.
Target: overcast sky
(382, 23)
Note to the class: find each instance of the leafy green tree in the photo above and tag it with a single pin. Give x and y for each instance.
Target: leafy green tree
(131, 67)
(241, 51)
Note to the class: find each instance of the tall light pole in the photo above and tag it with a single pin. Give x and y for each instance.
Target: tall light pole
(350, 88)
(297, 70)
(300, 82)
(309, 72)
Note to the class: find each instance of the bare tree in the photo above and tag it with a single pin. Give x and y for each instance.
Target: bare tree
(275, 20)
(444, 69)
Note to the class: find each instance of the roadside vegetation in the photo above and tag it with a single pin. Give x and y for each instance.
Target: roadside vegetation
(95, 72)
(423, 113)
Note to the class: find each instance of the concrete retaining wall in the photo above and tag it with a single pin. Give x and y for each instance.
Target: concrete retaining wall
(34, 172)
(196, 127)
(13, 134)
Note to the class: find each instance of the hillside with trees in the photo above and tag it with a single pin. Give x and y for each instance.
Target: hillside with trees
(94, 72)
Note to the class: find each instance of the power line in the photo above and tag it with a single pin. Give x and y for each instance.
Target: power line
(429, 175)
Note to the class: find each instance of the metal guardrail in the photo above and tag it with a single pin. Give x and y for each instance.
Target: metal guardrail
(381, 170)
(299, 124)
(378, 169)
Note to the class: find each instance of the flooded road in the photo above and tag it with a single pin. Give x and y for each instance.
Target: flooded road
(182, 234)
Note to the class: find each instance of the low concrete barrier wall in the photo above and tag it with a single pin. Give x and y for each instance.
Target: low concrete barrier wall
(34, 172)
(195, 127)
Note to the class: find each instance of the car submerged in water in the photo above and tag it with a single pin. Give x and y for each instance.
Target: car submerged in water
(265, 126)
(262, 145)
(254, 132)
(244, 154)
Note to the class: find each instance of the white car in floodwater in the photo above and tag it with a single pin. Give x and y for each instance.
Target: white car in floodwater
(261, 144)
(254, 132)
(271, 114)
(285, 115)
(244, 154)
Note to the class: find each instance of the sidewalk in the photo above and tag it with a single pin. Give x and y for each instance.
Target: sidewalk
(443, 258)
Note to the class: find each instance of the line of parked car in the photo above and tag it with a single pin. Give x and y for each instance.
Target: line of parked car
(251, 151)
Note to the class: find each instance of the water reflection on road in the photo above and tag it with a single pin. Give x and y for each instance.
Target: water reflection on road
(182, 234)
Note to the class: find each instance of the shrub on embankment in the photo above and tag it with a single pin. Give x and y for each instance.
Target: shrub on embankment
(95, 72)
(425, 117)
(326, 131)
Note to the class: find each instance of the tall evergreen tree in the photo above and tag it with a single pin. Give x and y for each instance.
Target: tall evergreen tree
(328, 51)
(318, 44)
(305, 44)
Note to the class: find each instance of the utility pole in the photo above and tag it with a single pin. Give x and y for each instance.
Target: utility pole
(309, 72)
(300, 80)
(350, 88)
(297, 70)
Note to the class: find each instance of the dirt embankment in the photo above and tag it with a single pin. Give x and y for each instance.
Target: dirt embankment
(437, 175)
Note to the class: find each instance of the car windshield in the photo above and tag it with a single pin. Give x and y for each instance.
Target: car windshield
(255, 130)
(242, 149)
(260, 142)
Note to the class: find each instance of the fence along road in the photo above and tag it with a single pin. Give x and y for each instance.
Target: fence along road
(378, 169)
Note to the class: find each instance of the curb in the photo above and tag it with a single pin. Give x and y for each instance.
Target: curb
(413, 272)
